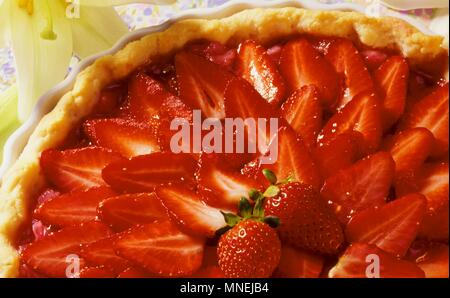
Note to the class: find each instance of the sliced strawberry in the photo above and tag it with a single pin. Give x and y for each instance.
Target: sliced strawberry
(32, 232)
(346, 60)
(47, 195)
(101, 253)
(134, 272)
(39, 229)
(391, 80)
(76, 169)
(363, 115)
(321, 43)
(434, 260)
(339, 154)
(48, 255)
(210, 266)
(242, 102)
(419, 86)
(173, 108)
(123, 136)
(363, 185)
(410, 148)
(190, 212)
(215, 52)
(392, 227)
(361, 261)
(209, 272)
(162, 249)
(126, 211)
(292, 159)
(431, 113)
(73, 208)
(96, 272)
(144, 173)
(182, 136)
(274, 53)
(296, 263)
(304, 113)
(164, 72)
(220, 186)
(302, 65)
(26, 272)
(431, 180)
(209, 139)
(202, 83)
(435, 224)
(110, 98)
(145, 96)
(373, 58)
(234, 161)
(256, 66)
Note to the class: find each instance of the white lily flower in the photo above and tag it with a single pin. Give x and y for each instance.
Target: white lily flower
(43, 39)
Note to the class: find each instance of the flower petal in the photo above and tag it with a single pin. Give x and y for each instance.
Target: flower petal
(8, 114)
(4, 23)
(123, 2)
(40, 63)
(97, 29)
(8, 106)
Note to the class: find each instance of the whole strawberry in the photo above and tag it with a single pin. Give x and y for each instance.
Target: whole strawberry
(249, 246)
(251, 249)
(306, 221)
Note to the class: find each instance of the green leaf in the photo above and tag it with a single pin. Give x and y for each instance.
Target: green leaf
(245, 209)
(272, 221)
(231, 219)
(254, 194)
(271, 191)
(270, 176)
(258, 209)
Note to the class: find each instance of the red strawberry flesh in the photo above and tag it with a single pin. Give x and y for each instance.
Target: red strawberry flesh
(145, 173)
(125, 211)
(77, 169)
(74, 207)
(302, 65)
(161, 249)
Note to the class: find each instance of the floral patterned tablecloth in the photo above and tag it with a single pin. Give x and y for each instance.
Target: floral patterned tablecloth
(143, 15)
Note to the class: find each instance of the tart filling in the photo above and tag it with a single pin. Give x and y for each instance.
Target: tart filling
(361, 166)
(362, 137)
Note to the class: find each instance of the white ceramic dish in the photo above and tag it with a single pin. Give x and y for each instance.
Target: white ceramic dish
(16, 143)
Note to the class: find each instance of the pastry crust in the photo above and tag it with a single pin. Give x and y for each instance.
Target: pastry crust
(264, 25)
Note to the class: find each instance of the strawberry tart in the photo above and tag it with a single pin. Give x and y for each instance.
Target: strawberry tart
(359, 187)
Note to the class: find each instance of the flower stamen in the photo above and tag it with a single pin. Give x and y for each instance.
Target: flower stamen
(27, 5)
(48, 32)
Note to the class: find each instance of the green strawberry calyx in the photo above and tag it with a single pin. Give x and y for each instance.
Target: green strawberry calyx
(252, 208)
